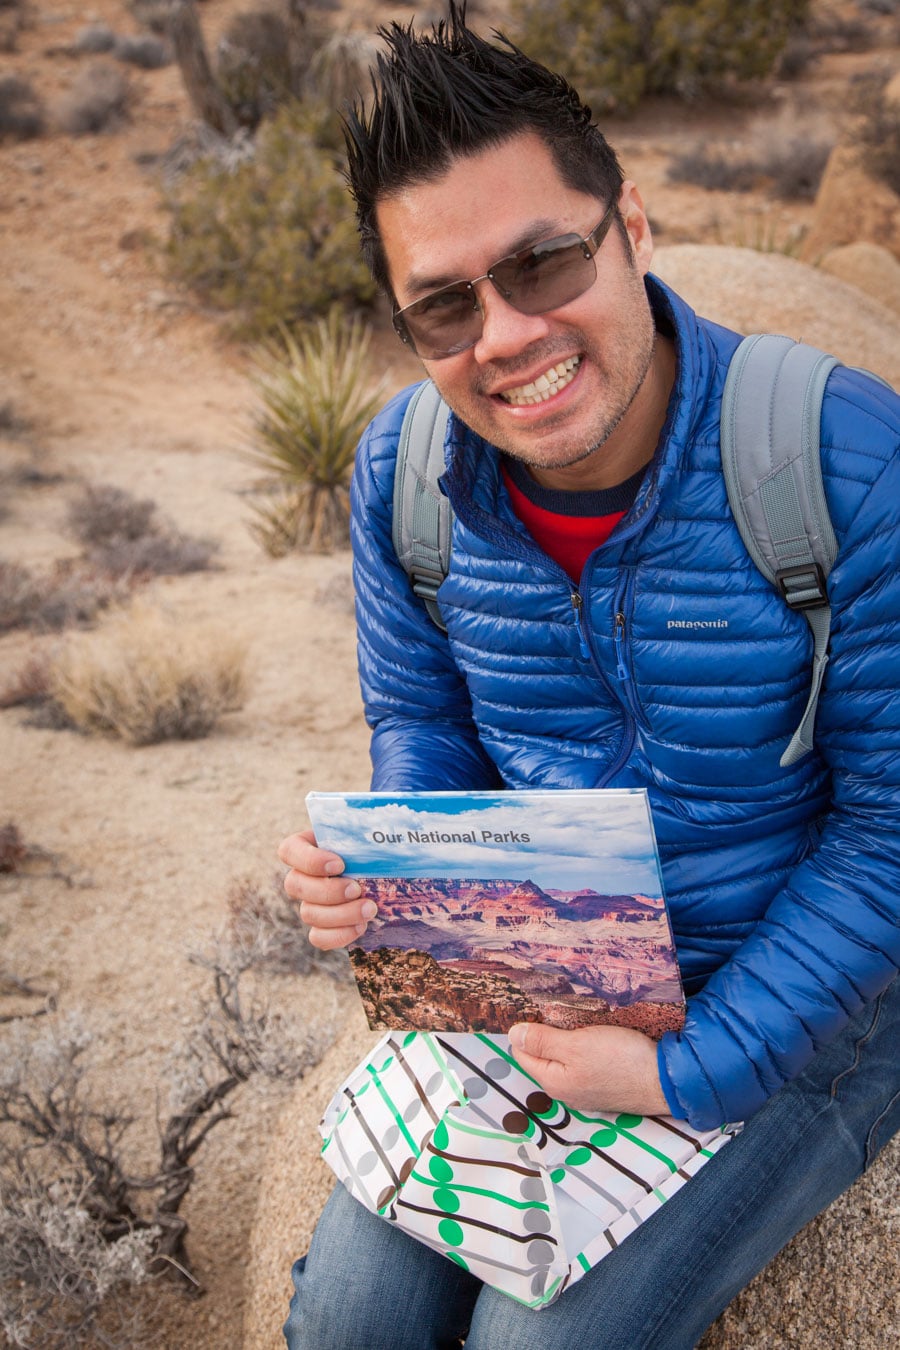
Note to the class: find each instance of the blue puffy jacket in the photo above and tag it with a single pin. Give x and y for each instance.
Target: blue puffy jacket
(676, 667)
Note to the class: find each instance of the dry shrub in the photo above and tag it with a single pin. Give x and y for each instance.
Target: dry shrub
(21, 110)
(271, 239)
(13, 849)
(20, 594)
(70, 593)
(81, 1221)
(785, 156)
(104, 514)
(167, 554)
(95, 39)
(125, 539)
(266, 929)
(98, 101)
(339, 70)
(144, 679)
(877, 131)
(258, 65)
(29, 686)
(145, 51)
(617, 51)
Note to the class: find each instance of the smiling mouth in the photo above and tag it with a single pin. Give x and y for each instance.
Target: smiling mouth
(545, 386)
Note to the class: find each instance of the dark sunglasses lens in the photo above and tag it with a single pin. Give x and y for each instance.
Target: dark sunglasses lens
(443, 322)
(545, 277)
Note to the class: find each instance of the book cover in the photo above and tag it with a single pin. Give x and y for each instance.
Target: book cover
(501, 907)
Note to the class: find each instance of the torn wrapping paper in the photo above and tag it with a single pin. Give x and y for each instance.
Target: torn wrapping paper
(445, 1136)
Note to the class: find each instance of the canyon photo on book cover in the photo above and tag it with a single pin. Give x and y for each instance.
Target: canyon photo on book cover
(495, 908)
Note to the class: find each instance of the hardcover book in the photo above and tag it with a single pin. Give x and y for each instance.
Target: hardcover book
(501, 907)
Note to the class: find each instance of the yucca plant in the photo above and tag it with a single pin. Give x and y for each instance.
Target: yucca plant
(316, 394)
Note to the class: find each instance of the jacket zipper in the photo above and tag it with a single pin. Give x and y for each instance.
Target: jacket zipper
(628, 739)
(620, 644)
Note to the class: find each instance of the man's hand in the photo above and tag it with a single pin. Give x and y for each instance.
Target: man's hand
(593, 1068)
(331, 904)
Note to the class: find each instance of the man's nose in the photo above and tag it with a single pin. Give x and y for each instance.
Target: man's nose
(505, 331)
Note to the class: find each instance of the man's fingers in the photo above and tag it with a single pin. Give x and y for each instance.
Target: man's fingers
(536, 1040)
(321, 890)
(348, 915)
(300, 851)
(327, 939)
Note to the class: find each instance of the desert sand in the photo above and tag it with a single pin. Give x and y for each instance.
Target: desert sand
(115, 376)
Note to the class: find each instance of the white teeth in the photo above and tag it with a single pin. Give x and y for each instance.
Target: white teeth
(551, 382)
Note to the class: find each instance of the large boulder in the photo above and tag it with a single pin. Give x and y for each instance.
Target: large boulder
(295, 1185)
(768, 292)
(868, 267)
(851, 205)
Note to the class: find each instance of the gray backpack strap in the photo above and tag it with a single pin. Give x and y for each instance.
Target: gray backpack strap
(771, 410)
(422, 518)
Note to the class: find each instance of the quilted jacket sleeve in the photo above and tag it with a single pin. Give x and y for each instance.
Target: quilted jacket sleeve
(830, 940)
(423, 737)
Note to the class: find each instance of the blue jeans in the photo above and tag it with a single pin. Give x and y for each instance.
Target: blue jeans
(365, 1285)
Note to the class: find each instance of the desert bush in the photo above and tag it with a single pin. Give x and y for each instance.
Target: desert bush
(145, 51)
(258, 64)
(339, 68)
(98, 101)
(877, 131)
(103, 514)
(29, 686)
(80, 1225)
(166, 554)
(67, 593)
(316, 396)
(152, 14)
(790, 166)
(144, 679)
(95, 39)
(13, 849)
(21, 110)
(73, 598)
(125, 539)
(274, 239)
(265, 931)
(715, 170)
(20, 594)
(616, 51)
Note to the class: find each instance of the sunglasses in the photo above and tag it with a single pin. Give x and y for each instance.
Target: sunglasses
(534, 281)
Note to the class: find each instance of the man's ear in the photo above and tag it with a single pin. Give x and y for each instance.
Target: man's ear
(631, 209)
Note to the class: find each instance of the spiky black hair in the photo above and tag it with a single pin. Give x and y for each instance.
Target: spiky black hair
(449, 93)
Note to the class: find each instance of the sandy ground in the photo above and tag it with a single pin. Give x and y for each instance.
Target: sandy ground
(117, 379)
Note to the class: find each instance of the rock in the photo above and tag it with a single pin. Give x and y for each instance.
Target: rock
(851, 205)
(768, 292)
(295, 1185)
(835, 1284)
(868, 267)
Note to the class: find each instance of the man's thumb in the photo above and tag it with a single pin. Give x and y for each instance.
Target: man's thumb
(533, 1039)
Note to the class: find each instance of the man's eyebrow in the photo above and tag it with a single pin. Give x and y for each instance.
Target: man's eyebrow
(423, 283)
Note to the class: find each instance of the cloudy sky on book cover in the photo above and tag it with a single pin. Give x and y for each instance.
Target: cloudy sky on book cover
(503, 907)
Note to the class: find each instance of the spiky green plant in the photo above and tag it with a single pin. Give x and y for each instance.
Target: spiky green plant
(316, 393)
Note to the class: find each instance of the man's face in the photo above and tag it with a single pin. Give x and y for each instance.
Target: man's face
(599, 347)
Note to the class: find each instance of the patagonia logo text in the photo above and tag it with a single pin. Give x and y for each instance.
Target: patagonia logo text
(697, 623)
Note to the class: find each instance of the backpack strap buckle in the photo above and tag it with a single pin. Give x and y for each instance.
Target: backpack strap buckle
(802, 587)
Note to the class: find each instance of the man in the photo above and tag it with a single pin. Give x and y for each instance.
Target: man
(593, 546)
